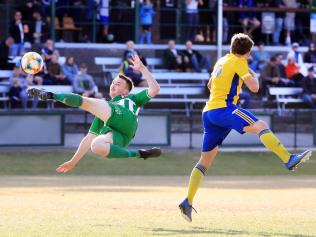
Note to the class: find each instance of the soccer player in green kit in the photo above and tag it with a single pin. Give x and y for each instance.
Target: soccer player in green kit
(115, 122)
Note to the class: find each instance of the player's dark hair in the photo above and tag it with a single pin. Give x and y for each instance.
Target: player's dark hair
(128, 80)
(241, 44)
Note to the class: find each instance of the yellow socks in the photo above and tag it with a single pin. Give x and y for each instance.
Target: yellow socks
(272, 143)
(197, 175)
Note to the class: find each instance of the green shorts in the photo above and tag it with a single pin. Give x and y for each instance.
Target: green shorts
(122, 124)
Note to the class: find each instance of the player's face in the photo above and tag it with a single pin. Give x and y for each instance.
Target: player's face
(118, 87)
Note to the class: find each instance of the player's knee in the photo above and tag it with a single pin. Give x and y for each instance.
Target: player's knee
(261, 125)
(99, 147)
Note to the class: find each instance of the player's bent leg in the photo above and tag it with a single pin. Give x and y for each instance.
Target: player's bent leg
(103, 146)
(272, 143)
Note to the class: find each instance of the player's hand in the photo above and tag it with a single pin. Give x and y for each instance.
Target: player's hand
(136, 63)
(63, 168)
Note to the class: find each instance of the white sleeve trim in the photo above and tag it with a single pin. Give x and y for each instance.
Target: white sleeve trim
(148, 94)
(247, 75)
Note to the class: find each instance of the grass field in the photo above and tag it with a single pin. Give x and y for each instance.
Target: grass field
(245, 194)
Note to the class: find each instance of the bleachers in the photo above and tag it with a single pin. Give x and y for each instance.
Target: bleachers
(4, 90)
(112, 64)
(286, 95)
(188, 96)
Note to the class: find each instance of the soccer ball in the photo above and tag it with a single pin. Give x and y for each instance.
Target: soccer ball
(31, 63)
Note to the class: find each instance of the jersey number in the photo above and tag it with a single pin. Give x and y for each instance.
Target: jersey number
(129, 104)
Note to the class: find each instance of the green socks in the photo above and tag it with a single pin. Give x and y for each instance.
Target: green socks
(70, 99)
(119, 152)
(271, 142)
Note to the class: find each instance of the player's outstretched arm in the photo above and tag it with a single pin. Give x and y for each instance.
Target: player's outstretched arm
(252, 82)
(83, 148)
(153, 86)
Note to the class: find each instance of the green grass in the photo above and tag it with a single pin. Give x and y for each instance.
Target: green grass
(173, 162)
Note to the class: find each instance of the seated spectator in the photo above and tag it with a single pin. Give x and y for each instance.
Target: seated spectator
(249, 20)
(245, 99)
(260, 58)
(294, 53)
(18, 89)
(270, 76)
(55, 72)
(293, 71)
(194, 60)
(172, 58)
(84, 85)
(309, 88)
(45, 76)
(278, 61)
(49, 50)
(136, 76)
(70, 69)
(131, 50)
(4, 54)
(310, 55)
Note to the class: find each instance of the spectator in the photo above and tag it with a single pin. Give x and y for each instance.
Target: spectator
(294, 53)
(310, 55)
(309, 88)
(292, 70)
(146, 18)
(55, 72)
(270, 76)
(70, 69)
(103, 8)
(130, 50)
(245, 99)
(279, 19)
(18, 89)
(192, 17)
(4, 54)
(27, 11)
(49, 50)
(39, 29)
(260, 58)
(136, 76)
(194, 60)
(83, 84)
(17, 32)
(289, 21)
(172, 58)
(278, 61)
(249, 20)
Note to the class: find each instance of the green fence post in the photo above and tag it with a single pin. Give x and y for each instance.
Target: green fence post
(52, 20)
(7, 19)
(136, 21)
(94, 33)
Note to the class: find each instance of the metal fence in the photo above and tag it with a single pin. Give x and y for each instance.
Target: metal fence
(169, 22)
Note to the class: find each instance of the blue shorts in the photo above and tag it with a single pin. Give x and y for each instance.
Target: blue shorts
(218, 123)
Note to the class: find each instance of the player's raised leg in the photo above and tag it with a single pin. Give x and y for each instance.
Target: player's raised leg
(97, 107)
(272, 143)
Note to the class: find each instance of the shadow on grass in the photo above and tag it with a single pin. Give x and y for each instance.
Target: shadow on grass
(214, 232)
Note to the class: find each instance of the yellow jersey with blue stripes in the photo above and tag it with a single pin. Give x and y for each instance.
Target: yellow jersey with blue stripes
(226, 81)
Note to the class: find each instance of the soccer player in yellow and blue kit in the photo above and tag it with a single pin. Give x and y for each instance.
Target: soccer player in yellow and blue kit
(221, 115)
